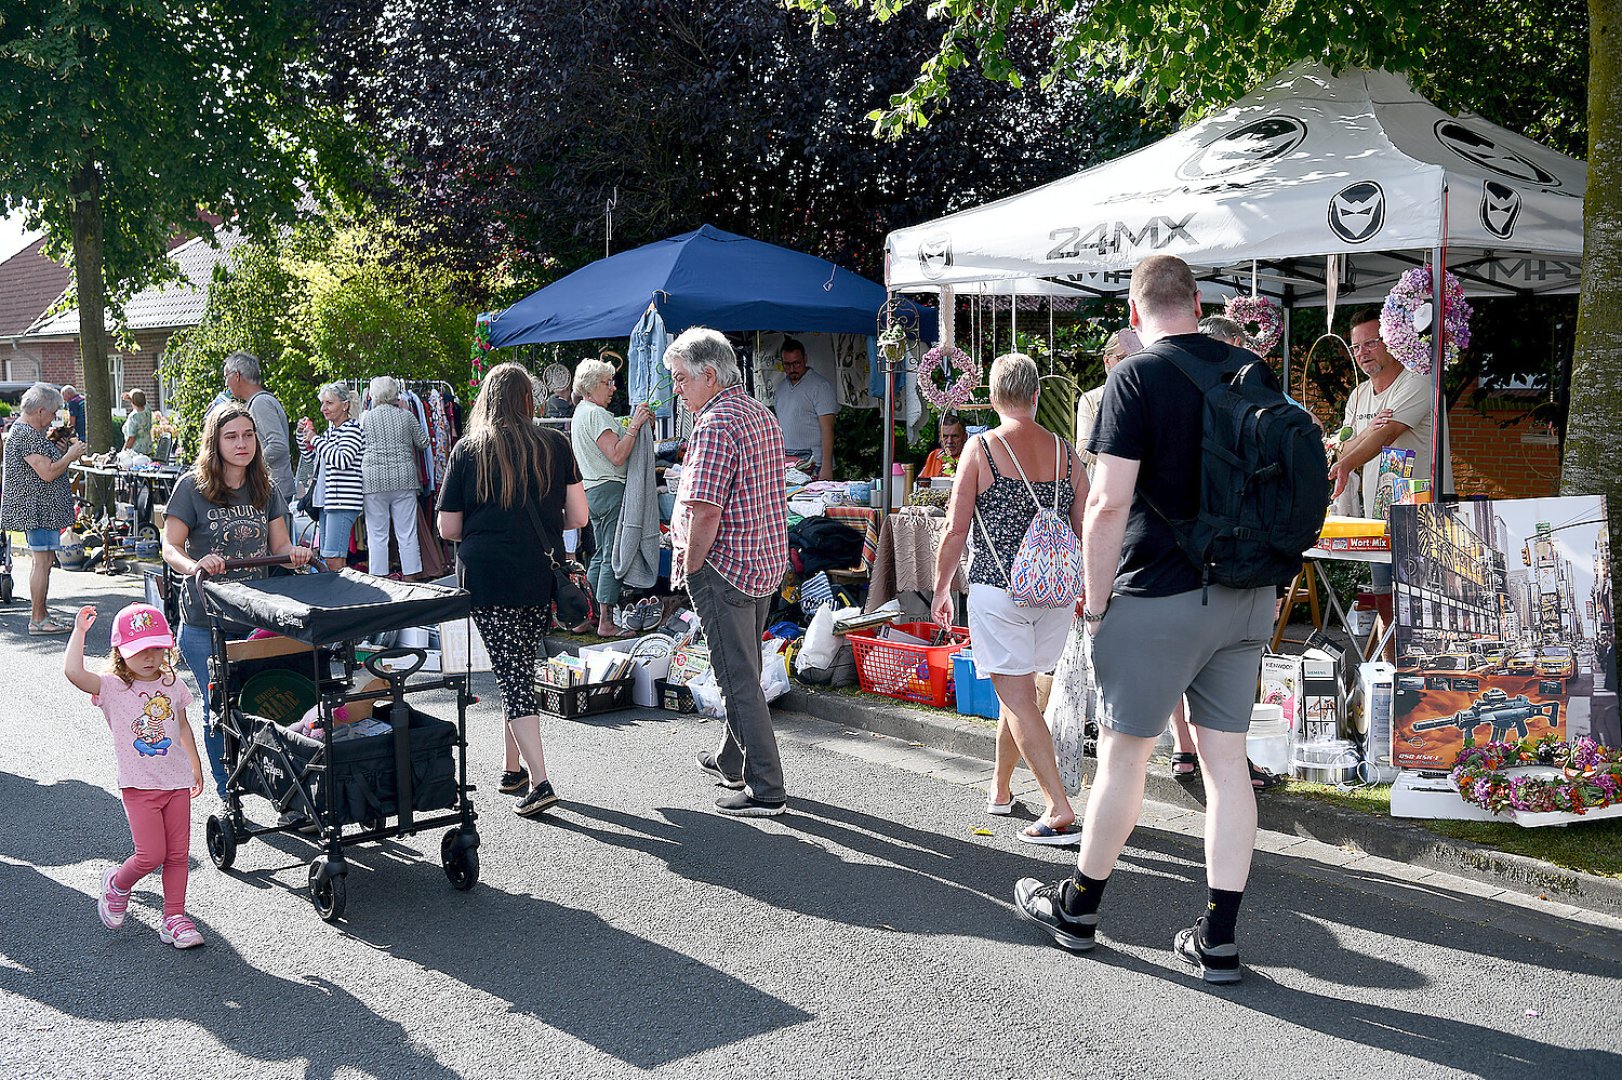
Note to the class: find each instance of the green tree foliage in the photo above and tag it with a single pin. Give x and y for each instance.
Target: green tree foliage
(324, 303)
(121, 121)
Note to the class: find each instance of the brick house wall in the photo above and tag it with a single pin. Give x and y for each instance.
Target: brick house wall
(61, 363)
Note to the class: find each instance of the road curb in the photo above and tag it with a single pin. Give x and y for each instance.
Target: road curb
(1279, 812)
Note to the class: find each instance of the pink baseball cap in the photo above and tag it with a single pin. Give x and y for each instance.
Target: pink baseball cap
(139, 627)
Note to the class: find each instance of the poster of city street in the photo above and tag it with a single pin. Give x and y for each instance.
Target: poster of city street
(1504, 625)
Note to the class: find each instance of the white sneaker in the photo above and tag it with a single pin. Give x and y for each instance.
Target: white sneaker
(179, 931)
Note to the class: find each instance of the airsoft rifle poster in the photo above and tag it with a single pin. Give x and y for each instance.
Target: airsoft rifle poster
(1504, 625)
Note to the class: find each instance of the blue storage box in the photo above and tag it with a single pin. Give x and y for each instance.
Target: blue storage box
(975, 697)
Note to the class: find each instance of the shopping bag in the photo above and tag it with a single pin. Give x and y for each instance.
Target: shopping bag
(773, 671)
(1070, 706)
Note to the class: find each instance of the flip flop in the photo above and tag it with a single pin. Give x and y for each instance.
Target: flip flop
(48, 625)
(1040, 832)
(999, 809)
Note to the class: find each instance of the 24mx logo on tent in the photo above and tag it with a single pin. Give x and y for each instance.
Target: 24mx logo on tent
(1112, 238)
(1357, 211)
(1245, 147)
(934, 255)
(1500, 206)
(1482, 150)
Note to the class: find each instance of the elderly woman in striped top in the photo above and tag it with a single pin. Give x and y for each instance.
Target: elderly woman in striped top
(393, 478)
(339, 487)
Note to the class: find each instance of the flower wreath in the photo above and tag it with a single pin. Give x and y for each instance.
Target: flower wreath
(959, 391)
(1260, 312)
(1591, 776)
(1409, 299)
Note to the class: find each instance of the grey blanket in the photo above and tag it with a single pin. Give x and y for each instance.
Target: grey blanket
(636, 548)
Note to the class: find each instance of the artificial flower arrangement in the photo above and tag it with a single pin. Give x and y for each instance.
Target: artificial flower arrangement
(481, 345)
(1407, 321)
(1260, 319)
(1589, 777)
(959, 387)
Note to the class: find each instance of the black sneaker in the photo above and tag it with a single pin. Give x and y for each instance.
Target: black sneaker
(708, 764)
(743, 804)
(1042, 905)
(515, 781)
(1213, 963)
(540, 799)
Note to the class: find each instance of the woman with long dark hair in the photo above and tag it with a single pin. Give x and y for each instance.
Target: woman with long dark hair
(511, 489)
(224, 508)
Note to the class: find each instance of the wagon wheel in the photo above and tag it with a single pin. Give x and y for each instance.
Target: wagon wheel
(222, 842)
(328, 892)
(461, 863)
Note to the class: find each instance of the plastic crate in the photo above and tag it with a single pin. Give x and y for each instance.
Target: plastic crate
(569, 702)
(975, 696)
(921, 673)
(674, 697)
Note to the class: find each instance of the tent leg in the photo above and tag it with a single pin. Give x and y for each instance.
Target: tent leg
(1438, 399)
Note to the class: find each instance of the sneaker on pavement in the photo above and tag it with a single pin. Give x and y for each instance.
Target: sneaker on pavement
(708, 763)
(113, 904)
(743, 804)
(1043, 905)
(513, 781)
(179, 931)
(1213, 963)
(540, 799)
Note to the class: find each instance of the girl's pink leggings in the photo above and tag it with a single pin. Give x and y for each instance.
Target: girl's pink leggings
(160, 825)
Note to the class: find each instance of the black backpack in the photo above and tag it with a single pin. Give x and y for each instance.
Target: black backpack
(1264, 476)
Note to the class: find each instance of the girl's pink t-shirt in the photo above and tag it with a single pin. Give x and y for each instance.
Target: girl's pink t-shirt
(145, 721)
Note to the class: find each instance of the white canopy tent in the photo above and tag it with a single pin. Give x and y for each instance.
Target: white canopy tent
(1314, 189)
(1311, 164)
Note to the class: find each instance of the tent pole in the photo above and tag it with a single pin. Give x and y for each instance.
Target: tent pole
(1438, 399)
(1284, 337)
(1013, 316)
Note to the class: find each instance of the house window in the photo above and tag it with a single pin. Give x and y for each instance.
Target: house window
(115, 375)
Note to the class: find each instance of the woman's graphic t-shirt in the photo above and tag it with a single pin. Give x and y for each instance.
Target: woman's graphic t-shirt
(145, 721)
(233, 530)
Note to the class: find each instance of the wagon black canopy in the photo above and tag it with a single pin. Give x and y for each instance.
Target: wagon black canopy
(346, 606)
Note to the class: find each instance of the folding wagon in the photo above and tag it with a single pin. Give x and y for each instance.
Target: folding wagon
(333, 784)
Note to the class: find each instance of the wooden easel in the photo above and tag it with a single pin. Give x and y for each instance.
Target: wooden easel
(1298, 588)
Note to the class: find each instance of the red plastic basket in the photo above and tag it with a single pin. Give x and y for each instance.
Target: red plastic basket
(921, 673)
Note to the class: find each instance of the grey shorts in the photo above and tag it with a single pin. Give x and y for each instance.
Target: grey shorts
(1150, 650)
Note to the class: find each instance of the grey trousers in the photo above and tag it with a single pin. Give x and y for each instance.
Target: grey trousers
(733, 624)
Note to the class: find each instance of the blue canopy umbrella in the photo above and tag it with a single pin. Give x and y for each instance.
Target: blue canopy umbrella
(703, 278)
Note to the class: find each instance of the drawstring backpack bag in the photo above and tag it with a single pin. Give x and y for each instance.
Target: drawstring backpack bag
(1046, 571)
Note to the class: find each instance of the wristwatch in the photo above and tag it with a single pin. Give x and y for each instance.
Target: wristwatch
(1087, 616)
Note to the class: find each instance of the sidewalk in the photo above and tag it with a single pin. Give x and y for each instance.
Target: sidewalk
(1296, 818)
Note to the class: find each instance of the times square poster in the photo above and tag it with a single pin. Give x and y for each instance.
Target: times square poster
(1505, 625)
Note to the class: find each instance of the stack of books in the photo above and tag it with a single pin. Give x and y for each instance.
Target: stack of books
(588, 670)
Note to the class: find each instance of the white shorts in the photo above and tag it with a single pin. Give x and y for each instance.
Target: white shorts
(1011, 640)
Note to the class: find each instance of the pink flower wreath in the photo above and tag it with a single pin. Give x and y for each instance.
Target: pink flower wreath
(1411, 296)
(1260, 312)
(959, 391)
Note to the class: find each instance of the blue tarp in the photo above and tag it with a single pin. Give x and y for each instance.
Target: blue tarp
(703, 278)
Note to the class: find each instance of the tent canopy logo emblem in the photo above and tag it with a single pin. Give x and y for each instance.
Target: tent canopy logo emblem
(1481, 150)
(1357, 212)
(935, 254)
(1245, 147)
(1500, 206)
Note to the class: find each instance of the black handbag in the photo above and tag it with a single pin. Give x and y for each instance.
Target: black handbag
(571, 602)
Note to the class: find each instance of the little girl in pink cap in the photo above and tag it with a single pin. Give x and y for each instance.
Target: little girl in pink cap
(159, 772)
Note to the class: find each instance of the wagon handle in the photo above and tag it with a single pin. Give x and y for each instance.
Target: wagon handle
(249, 564)
(417, 656)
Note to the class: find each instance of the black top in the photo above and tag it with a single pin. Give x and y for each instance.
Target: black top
(1151, 414)
(503, 562)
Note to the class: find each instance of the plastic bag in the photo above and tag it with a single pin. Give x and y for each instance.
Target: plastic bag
(706, 691)
(820, 643)
(773, 671)
(1070, 705)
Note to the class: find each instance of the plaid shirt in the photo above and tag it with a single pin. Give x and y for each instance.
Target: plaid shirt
(735, 461)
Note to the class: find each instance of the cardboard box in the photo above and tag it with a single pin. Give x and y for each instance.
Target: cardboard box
(1323, 700)
(1281, 686)
(645, 672)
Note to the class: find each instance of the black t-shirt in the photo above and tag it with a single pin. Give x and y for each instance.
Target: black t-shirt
(1151, 414)
(504, 563)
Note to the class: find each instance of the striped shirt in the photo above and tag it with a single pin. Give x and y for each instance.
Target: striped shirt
(734, 460)
(338, 454)
(393, 437)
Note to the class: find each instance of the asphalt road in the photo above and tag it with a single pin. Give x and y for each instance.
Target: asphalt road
(867, 933)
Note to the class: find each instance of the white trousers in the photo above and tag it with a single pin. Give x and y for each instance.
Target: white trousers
(401, 508)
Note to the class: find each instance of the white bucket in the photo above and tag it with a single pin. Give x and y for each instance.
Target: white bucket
(1267, 743)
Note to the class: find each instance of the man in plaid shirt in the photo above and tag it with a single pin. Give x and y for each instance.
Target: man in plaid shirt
(730, 540)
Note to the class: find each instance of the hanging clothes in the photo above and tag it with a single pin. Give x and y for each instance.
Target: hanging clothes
(646, 376)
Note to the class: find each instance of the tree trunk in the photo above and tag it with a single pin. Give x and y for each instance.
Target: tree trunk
(92, 289)
(1594, 428)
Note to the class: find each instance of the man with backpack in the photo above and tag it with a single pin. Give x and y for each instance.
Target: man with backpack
(1205, 492)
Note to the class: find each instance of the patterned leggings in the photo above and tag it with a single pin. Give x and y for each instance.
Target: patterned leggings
(513, 638)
